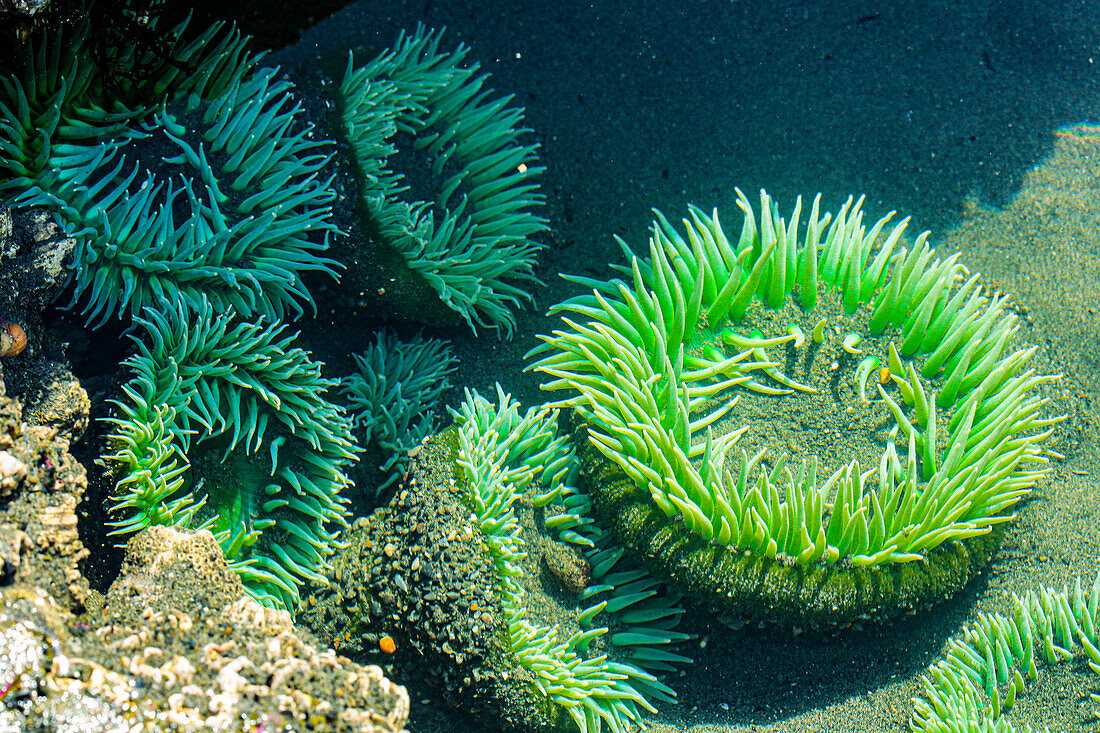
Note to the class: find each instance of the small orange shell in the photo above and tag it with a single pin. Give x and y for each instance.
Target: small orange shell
(387, 644)
(13, 339)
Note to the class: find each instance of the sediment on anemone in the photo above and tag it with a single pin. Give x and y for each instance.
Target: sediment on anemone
(238, 404)
(392, 398)
(979, 678)
(830, 338)
(467, 229)
(597, 677)
(204, 183)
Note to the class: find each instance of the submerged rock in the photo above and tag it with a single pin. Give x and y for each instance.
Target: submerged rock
(41, 485)
(180, 646)
(34, 251)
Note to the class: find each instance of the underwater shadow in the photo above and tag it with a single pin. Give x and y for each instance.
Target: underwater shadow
(752, 676)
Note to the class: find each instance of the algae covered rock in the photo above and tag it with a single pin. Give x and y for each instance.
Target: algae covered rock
(41, 485)
(418, 573)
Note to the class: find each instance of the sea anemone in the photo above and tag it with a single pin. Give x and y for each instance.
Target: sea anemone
(501, 455)
(468, 234)
(983, 671)
(209, 187)
(224, 425)
(392, 397)
(702, 345)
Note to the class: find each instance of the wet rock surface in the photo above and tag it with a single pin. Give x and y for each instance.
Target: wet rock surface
(162, 656)
(40, 683)
(34, 252)
(41, 485)
(21, 9)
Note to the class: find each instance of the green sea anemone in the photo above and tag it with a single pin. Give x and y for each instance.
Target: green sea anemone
(392, 397)
(595, 677)
(702, 346)
(224, 425)
(983, 671)
(462, 219)
(208, 185)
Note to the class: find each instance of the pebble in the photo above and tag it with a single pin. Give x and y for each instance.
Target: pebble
(10, 465)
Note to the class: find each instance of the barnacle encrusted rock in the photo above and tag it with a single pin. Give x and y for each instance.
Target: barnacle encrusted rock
(178, 569)
(52, 397)
(418, 571)
(201, 643)
(40, 488)
(160, 656)
(40, 680)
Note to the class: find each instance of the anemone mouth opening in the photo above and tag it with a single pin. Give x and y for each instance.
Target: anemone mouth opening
(231, 481)
(820, 401)
(421, 179)
(446, 179)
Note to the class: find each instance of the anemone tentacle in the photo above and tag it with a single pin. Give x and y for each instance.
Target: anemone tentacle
(986, 667)
(236, 211)
(392, 397)
(502, 454)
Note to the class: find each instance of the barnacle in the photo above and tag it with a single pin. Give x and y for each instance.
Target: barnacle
(209, 186)
(701, 346)
(596, 676)
(225, 425)
(470, 239)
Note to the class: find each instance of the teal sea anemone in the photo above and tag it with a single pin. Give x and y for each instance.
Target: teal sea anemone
(815, 343)
(206, 185)
(605, 673)
(392, 397)
(466, 228)
(225, 425)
